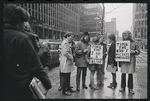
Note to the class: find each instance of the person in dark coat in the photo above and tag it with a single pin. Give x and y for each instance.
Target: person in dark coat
(111, 60)
(81, 50)
(34, 38)
(45, 56)
(21, 62)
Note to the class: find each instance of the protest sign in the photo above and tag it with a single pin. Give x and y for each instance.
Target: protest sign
(123, 51)
(96, 56)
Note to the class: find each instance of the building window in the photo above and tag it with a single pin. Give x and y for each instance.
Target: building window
(141, 32)
(139, 22)
(135, 34)
(138, 29)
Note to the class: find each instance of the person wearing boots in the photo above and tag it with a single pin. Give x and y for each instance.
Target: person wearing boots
(80, 60)
(111, 60)
(128, 67)
(66, 64)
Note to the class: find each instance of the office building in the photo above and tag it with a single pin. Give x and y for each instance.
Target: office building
(140, 24)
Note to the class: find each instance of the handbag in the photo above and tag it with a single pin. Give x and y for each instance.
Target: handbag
(111, 69)
(37, 89)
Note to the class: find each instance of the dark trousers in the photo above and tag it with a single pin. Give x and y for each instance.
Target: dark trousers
(60, 75)
(130, 81)
(114, 77)
(79, 69)
(65, 81)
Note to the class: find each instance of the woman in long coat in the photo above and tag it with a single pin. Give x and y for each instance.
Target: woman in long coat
(111, 60)
(128, 67)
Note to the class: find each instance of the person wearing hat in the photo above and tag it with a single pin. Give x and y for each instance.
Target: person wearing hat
(80, 60)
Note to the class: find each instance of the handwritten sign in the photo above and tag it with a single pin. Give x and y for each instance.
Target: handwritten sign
(123, 51)
(96, 56)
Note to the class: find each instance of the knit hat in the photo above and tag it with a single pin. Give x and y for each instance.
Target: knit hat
(86, 33)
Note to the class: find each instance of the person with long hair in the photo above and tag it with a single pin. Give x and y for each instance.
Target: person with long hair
(111, 60)
(80, 60)
(128, 67)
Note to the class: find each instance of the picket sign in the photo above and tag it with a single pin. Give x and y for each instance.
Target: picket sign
(123, 51)
(96, 56)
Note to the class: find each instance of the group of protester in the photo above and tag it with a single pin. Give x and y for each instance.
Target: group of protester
(25, 57)
(78, 55)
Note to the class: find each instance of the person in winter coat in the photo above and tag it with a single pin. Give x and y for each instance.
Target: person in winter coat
(60, 74)
(45, 56)
(128, 67)
(80, 60)
(111, 60)
(34, 38)
(21, 62)
(66, 64)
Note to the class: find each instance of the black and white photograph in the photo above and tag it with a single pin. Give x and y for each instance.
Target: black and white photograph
(48, 49)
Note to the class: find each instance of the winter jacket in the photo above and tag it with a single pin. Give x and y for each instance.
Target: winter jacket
(66, 58)
(80, 56)
(45, 56)
(21, 64)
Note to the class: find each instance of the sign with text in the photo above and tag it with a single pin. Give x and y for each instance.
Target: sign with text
(96, 56)
(123, 51)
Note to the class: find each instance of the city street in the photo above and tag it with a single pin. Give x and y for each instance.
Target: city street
(140, 84)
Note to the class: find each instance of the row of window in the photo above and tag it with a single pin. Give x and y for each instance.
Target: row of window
(142, 32)
(141, 22)
(141, 15)
(141, 7)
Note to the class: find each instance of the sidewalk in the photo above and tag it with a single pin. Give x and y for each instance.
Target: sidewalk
(140, 86)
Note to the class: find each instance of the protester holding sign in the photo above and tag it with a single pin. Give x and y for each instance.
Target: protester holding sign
(97, 66)
(128, 67)
(112, 64)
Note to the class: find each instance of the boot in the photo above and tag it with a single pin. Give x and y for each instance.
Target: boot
(84, 86)
(65, 92)
(122, 90)
(131, 91)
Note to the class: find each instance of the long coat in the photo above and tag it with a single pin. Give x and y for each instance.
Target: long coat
(129, 67)
(21, 64)
(112, 54)
(66, 58)
(80, 56)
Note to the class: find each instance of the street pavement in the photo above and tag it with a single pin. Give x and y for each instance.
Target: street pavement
(140, 84)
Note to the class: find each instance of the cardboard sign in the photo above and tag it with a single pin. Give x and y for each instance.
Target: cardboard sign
(123, 51)
(96, 56)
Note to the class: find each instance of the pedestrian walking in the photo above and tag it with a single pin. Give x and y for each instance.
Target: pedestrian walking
(21, 62)
(66, 64)
(80, 60)
(112, 64)
(128, 67)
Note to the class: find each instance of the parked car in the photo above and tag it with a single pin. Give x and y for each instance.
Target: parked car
(54, 48)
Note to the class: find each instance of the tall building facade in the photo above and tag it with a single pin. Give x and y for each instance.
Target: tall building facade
(53, 20)
(90, 18)
(140, 24)
(110, 27)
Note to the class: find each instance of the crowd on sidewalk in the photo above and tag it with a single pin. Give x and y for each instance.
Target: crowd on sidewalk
(25, 57)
